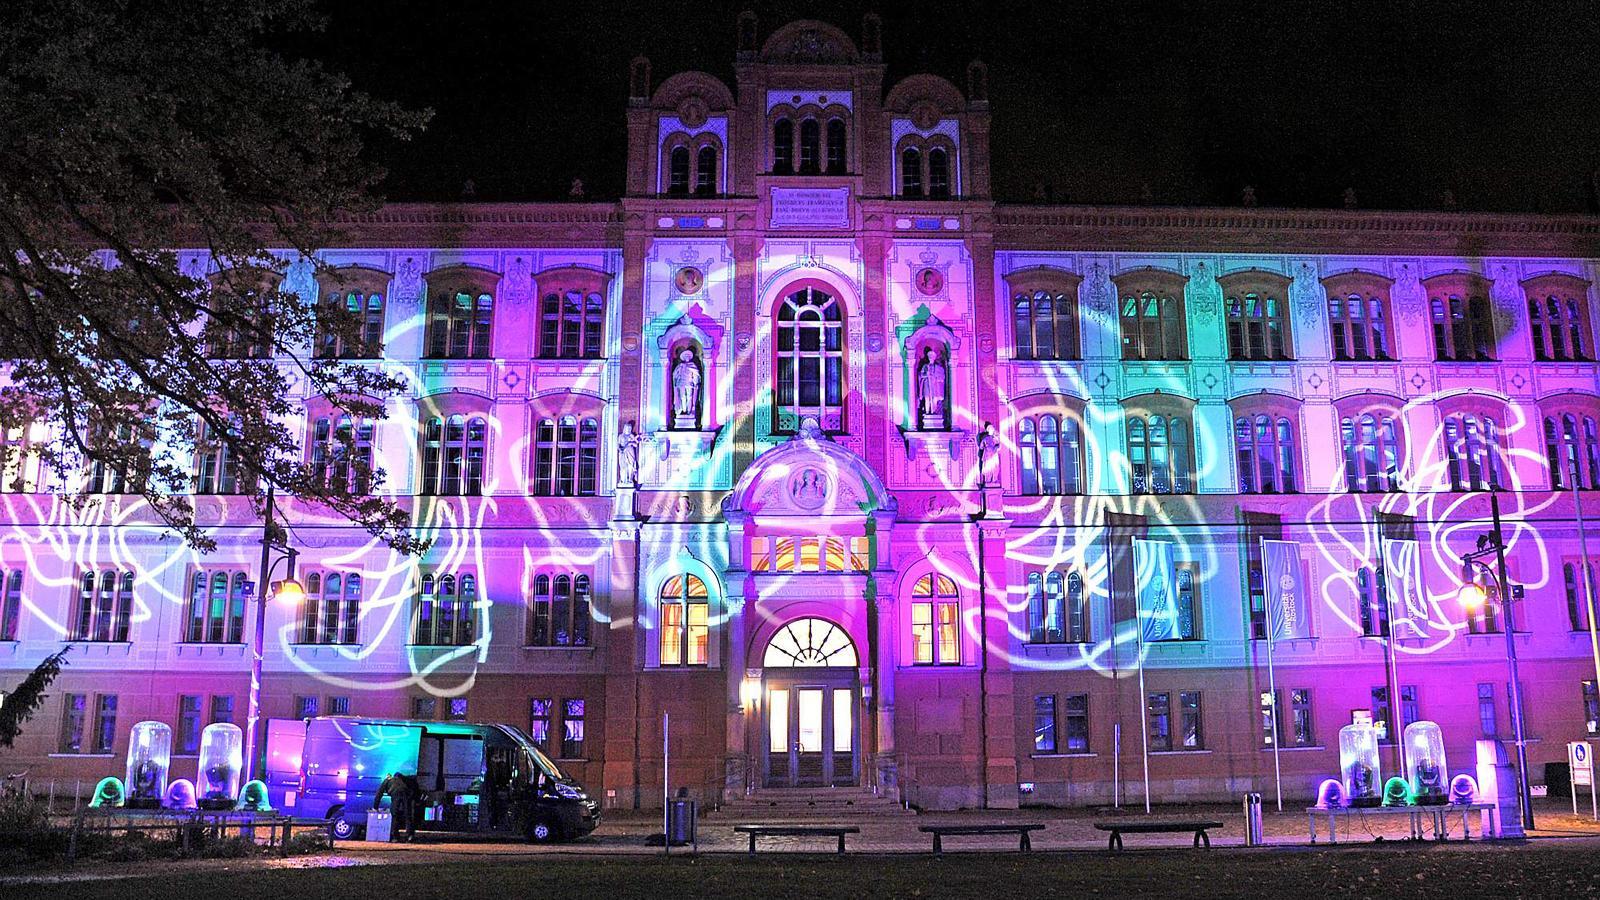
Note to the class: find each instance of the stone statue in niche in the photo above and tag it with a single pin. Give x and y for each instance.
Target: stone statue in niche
(988, 453)
(628, 457)
(686, 390)
(932, 378)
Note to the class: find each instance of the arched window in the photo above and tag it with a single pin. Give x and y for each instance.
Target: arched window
(331, 611)
(1050, 451)
(458, 324)
(566, 454)
(1264, 447)
(216, 608)
(705, 171)
(1572, 441)
(126, 467)
(809, 366)
(810, 147)
(217, 471)
(1045, 324)
(1152, 326)
(939, 173)
(453, 456)
(1472, 448)
(1359, 327)
(341, 453)
(837, 162)
(570, 324)
(783, 147)
(678, 171)
(935, 621)
(445, 609)
(1558, 317)
(810, 643)
(1258, 326)
(1371, 452)
(911, 172)
(559, 611)
(1159, 454)
(350, 325)
(105, 606)
(685, 616)
(1056, 610)
(1463, 321)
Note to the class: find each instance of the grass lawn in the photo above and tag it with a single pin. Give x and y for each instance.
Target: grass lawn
(1550, 869)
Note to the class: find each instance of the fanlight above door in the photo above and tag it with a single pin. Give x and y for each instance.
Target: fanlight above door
(806, 643)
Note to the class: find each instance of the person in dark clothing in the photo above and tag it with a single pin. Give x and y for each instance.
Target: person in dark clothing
(405, 793)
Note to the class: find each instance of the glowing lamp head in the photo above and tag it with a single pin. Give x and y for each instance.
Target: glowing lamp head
(1472, 596)
(289, 591)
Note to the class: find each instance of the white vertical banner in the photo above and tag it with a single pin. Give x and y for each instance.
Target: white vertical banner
(1288, 612)
(1155, 578)
(1402, 566)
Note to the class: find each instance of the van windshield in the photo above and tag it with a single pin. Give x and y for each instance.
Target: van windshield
(545, 763)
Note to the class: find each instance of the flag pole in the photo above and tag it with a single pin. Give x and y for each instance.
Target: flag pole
(1272, 679)
(1144, 717)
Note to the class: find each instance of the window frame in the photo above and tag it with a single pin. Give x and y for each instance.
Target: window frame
(456, 330)
(1266, 445)
(935, 609)
(1175, 417)
(453, 617)
(805, 308)
(565, 454)
(330, 614)
(454, 454)
(555, 596)
(1255, 313)
(362, 294)
(1374, 324)
(1146, 336)
(1461, 314)
(683, 620)
(1560, 321)
(1377, 467)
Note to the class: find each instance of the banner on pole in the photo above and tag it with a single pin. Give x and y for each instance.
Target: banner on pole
(1288, 613)
(1156, 582)
(1402, 566)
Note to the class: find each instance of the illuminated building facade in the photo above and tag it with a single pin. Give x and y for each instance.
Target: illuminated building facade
(811, 444)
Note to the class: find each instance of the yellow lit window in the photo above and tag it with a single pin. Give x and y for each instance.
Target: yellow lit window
(699, 633)
(671, 634)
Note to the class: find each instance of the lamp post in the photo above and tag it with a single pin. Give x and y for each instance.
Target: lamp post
(1588, 573)
(1472, 596)
(288, 590)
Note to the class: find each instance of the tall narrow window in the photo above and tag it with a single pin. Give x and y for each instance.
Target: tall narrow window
(1152, 326)
(190, 708)
(1577, 593)
(341, 453)
(453, 450)
(1044, 723)
(217, 471)
(1463, 321)
(1591, 709)
(539, 710)
(1302, 724)
(685, 615)
(74, 710)
(1075, 722)
(1558, 318)
(104, 607)
(10, 603)
(350, 325)
(1572, 443)
(105, 723)
(810, 147)
(809, 372)
(1359, 326)
(1158, 709)
(1373, 603)
(570, 324)
(1192, 728)
(935, 621)
(1045, 324)
(705, 171)
(678, 171)
(331, 612)
(938, 174)
(1159, 454)
(783, 147)
(566, 457)
(1258, 326)
(837, 161)
(1258, 526)
(572, 729)
(216, 608)
(445, 611)
(459, 323)
(1472, 449)
(1488, 718)
(1264, 446)
(559, 610)
(1050, 450)
(911, 172)
(1371, 453)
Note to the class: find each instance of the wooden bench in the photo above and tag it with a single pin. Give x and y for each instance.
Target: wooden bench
(837, 831)
(1022, 832)
(1145, 826)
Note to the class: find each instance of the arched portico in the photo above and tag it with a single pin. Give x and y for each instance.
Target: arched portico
(810, 707)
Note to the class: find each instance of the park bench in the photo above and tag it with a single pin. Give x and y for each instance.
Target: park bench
(1145, 826)
(836, 831)
(1022, 832)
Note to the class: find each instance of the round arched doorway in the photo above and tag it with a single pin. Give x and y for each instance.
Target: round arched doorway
(812, 710)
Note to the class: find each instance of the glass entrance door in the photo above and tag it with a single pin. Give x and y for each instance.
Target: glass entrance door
(811, 735)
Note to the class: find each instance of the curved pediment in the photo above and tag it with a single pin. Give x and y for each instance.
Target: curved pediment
(809, 476)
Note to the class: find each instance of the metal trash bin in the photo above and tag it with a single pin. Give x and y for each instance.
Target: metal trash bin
(1254, 836)
(681, 816)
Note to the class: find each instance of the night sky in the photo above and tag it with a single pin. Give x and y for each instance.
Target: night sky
(1497, 102)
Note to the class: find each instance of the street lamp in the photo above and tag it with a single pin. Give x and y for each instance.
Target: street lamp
(1473, 596)
(289, 591)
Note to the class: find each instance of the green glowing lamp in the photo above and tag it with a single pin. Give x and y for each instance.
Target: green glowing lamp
(253, 797)
(1397, 792)
(109, 792)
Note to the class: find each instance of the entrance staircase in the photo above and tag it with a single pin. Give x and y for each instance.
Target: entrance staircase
(822, 804)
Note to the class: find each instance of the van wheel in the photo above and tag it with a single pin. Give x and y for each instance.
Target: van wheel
(542, 831)
(343, 829)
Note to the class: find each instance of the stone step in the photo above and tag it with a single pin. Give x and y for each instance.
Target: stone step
(814, 804)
